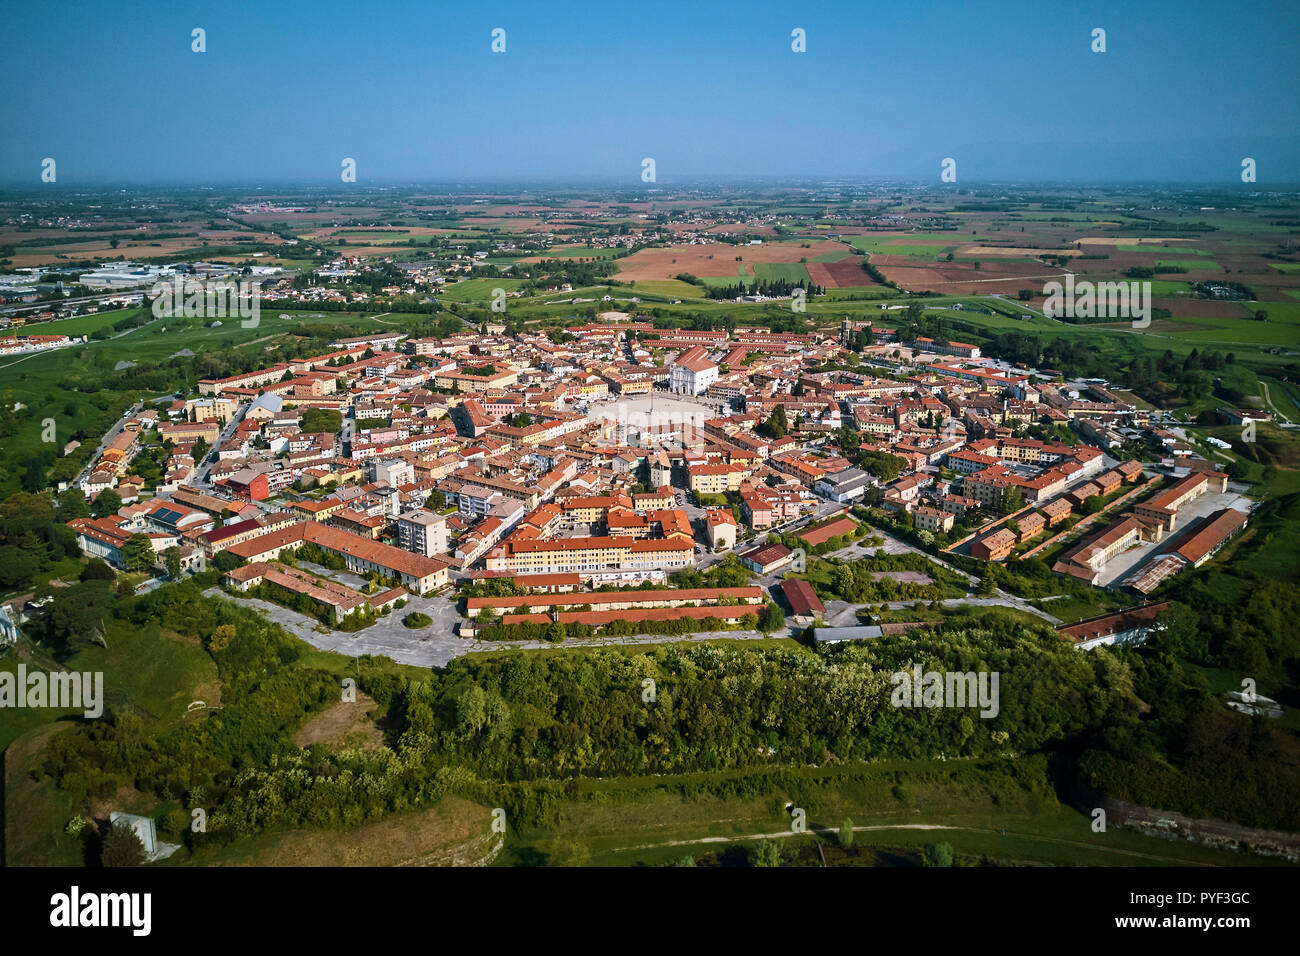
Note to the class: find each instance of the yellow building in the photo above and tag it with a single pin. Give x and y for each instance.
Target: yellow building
(716, 479)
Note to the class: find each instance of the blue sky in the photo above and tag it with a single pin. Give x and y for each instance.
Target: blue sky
(711, 91)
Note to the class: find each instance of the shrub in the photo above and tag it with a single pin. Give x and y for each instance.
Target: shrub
(938, 854)
(122, 847)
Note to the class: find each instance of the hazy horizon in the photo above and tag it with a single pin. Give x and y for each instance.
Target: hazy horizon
(413, 93)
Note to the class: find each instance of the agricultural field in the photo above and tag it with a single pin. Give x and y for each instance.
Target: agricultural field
(718, 260)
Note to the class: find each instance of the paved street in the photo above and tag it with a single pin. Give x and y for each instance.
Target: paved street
(822, 509)
(103, 443)
(200, 478)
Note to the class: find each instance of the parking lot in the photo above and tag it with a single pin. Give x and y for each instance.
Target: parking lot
(1122, 565)
(432, 646)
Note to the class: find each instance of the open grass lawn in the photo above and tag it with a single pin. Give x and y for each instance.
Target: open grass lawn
(642, 822)
(478, 291)
(1272, 461)
(1282, 397)
(835, 301)
(837, 256)
(78, 324)
(768, 643)
(1270, 551)
(155, 672)
(991, 324)
(969, 614)
(1287, 313)
(372, 233)
(1072, 608)
(163, 338)
(455, 832)
(1246, 338)
(1075, 217)
(19, 721)
(36, 811)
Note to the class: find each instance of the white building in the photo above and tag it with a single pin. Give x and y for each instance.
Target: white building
(843, 486)
(8, 627)
(423, 532)
(692, 377)
(394, 471)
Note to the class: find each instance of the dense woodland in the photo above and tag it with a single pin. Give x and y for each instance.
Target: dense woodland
(514, 718)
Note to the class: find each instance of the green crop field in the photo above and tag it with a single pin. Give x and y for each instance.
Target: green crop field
(1168, 287)
(674, 288)
(372, 236)
(890, 246)
(1189, 264)
(1181, 248)
(1284, 312)
(581, 252)
(78, 325)
(478, 290)
(1229, 332)
(790, 271)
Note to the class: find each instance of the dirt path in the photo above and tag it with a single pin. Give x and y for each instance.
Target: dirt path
(1268, 400)
(826, 831)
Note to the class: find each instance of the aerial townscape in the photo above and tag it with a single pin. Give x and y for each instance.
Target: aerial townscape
(806, 521)
(389, 464)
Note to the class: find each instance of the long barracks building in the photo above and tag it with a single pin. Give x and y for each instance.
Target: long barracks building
(568, 555)
(417, 572)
